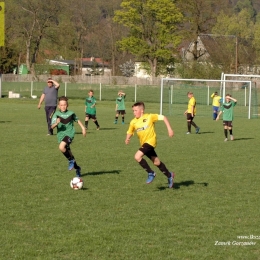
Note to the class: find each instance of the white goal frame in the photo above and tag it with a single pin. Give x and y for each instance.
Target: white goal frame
(207, 80)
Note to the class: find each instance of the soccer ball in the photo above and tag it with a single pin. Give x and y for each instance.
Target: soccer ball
(76, 183)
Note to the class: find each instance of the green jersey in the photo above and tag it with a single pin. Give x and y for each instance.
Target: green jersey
(89, 102)
(66, 125)
(120, 101)
(227, 110)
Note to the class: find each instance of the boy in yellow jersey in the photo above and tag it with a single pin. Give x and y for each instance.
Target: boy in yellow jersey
(215, 104)
(190, 113)
(143, 124)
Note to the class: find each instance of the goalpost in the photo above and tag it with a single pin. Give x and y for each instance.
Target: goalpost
(174, 95)
(253, 91)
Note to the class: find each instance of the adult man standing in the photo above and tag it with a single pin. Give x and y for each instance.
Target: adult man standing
(50, 96)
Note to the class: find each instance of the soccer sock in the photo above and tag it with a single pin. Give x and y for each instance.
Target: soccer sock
(68, 155)
(164, 170)
(143, 163)
(230, 132)
(96, 123)
(86, 124)
(225, 132)
(189, 126)
(76, 166)
(123, 119)
(116, 118)
(194, 124)
(214, 116)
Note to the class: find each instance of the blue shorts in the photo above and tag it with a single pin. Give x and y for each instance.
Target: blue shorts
(215, 108)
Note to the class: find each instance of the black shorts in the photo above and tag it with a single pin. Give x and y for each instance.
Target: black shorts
(227, 123)
(67, 140)
(189, 117)
(122, 112)
(148, 150)
(91, 116)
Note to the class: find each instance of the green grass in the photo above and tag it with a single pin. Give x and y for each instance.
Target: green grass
(117, 216)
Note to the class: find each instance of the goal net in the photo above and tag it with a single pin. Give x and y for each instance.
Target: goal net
(174, 98)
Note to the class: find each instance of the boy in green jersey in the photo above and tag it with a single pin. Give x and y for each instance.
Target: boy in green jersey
(90, 109)
(64, 120)
(228, 116)
(120, 106)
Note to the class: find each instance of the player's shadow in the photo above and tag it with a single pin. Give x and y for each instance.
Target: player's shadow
(5, 122)
(101, 172)
(209, 132)
(242, 139)
(178, 185)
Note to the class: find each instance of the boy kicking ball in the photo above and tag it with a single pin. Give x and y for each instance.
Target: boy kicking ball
(143, 124)
(64, 120)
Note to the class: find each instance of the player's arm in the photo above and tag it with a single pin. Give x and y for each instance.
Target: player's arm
(220, 112)
(55, 122)
(41, 100)
(212, 96)
(82, 128)
(233, 99)
(116, 107)
(128, 137)
(167, 123)
(192, 110)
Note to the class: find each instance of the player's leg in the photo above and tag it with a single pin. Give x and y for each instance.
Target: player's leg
(143, 163)
(230, 130)
(215, 112)
(49, 112)
(116, 117)
(189, 122)
(64, 147)
(157, 162)
(86, 121)
(225, 123)
(123, 116)
(193, 124)
(94, 118)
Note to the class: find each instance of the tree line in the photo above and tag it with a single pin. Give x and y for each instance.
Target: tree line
(150, 31)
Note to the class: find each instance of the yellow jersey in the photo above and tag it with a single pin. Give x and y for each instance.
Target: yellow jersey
(192, 103)
(216, 100)
(144, 127)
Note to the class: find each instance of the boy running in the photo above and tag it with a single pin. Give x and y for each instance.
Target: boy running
(143, 124)
(64, 120)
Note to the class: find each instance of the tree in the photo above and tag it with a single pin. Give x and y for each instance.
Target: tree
(152, 28)
(30, 21)
(128, 68)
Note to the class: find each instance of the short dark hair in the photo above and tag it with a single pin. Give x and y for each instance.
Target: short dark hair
(63, 98)
(139, 104)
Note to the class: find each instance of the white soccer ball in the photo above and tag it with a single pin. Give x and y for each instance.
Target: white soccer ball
(76, 183)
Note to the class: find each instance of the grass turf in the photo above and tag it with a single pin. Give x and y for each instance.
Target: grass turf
(116, 215)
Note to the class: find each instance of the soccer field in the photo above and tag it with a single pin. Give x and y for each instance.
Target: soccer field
(211, 213)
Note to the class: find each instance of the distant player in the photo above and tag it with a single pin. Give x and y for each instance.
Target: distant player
(190, 113)
(227, 109)
(120, 106)
(90, 109)
(64, 120)
(215, 104)
(143, 124)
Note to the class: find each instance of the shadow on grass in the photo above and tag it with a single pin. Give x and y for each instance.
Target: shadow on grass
(202, 133)
(177, 185)
(242, 139)
(5, 122)
(101, 172)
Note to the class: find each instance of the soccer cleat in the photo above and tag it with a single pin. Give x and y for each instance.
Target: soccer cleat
(78, 173)
(197, 130)
(71, 165)
(98, 128)
(188, 133)
(231, 137)
(171, 180)
(225, 139)
(115, 122)
(151, 176)
(123, 123)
